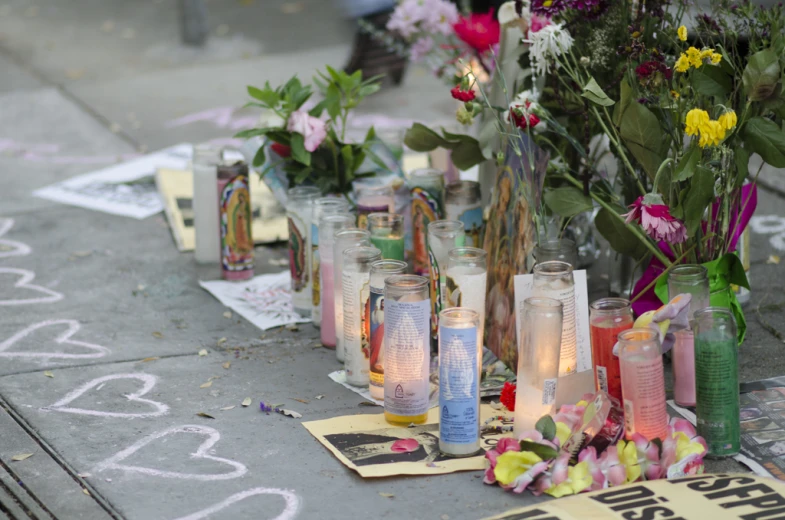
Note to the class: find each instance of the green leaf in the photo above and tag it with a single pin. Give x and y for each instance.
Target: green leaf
(712, 81)
(253, 132)
(420, 138)
(466, 150)
(594, 93)
(259, 158)
(299, 153)
(621, 239)
(546, 427)
(302, 175)
(267, 96)
(761, 75)
(567, 201)
(541, 450)
(765, 138)
(686, 167)
(348, 159)
(371, 135)
(699, 195)
(741, 158)
(650, 161)
(332, 100)
(624, 103)
(317, 110)
(643, 136)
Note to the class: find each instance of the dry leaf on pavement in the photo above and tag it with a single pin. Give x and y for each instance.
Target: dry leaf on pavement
(203, 352)
(205, 415)
(48, 373)
(21, 456)
(246, 401)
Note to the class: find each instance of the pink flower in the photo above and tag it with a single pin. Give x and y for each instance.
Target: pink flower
(503, 445)
(648, 457)
(612, 468)
(538, 22)
(311, 128)
(405, 445)
(441, 17)
(522, 482)
(420, 49)
(683, 449)
(406, 17)
(478, 31)
(558, 474)
(656, 220)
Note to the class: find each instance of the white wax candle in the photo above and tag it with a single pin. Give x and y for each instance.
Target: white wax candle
(207, 233)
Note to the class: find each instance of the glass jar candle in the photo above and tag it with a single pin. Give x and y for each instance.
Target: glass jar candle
(643, 384)
(298, 212)
(460, 362)
(538, 361)
(443, 236)
(467, 280)
(562, 249)
(356, 327)
(694, 280)
(387, 234)
(554, 280)
(344, 239)
(235, 216)
(463, 201)
(380, 271)
(407, 353)
(321, 207)
(372, 198)
(329, 225)
(717, 381)
(607, 318)
(207, 234)
(427, 185)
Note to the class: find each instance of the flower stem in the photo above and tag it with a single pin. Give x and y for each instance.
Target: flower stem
(666, 271)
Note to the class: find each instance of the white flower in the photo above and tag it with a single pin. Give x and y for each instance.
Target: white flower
(406, 17)
(508, 14)
(441, 17)
(269, 119)
(548, 44)
(532, 95)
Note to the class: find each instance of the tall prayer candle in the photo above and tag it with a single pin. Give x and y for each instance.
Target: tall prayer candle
(380, 271)
(407, 353)
(463, 201)
(717, 381)
(608, 317)
(562, 249)
(427, 186)
(460, 362)
(298, 213)
(356, 325)
(538, 361)
(207, 233)
(321, 207)
(443, 235)
(344, 239)
(467, 279)
(387, 234)
(372, 198)
(328, 226)
(687, 279)
(643, 384)
(554, 280)
(235, 221)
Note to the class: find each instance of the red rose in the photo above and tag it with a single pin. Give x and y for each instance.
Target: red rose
(462, 95)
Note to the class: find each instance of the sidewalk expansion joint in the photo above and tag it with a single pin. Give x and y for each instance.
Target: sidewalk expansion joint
(88, 365)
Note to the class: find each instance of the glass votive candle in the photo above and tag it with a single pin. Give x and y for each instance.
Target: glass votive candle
(321, 207)
(538, 361)
(344, 239)
(562, 249)
(329, 225)
(372, 198)
(298, 212)
(356, 327)
(460, 362)
(554, 280)
(443, 236)
(607, 318)
(407, 353)
(380, 271)
(387, 234)
(467, 280)
(427, 185)
(463, 201)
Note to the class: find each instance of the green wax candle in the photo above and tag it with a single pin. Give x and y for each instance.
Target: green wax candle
(717, 392)
(391, 247)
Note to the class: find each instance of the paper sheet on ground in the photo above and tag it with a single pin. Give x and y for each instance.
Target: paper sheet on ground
(265, 300)
(363, 443)
(126, 189)
(718, 497)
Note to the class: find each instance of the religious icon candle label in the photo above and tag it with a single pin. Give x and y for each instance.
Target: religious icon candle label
(407, 357)
(463, 201)
(235, 219)
(379, 272)
(356, 292)
(427, 206)
(298, 213)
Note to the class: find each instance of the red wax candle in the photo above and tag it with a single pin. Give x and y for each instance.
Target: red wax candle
(609, 317)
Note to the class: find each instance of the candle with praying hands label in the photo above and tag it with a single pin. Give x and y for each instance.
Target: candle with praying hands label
(356, 327)
(298, 213)
(443, 236)
(328, 226)
(467, 274)
(387, 234)
(344, 239)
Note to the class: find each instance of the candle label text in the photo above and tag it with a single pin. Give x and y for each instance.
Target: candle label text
(458, 385)
(407, 357)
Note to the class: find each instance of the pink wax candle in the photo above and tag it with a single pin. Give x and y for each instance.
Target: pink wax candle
(684, 368)
(328, 305)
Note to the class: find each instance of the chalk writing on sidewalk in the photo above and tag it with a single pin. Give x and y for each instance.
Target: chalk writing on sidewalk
(149, 381)
(24, 278)
(289, 512)
(73, 326)
(10, 248)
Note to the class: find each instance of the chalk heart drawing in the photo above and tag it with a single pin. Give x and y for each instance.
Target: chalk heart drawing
(212, 435)
(73, 326)
(149, 381)
(10, 248)
(289, 512)
(25, 277)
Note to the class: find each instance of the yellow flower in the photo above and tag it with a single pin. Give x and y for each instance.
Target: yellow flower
(512, 464)
(706, 53)
(682, 64)
(712, 134)
(563, 432)
(728, 120)
(628, 456)
(695, 120)
(578, 479)
(716, 58)
(694, 55)
(675, 95)
(685, 447)
(682, 32)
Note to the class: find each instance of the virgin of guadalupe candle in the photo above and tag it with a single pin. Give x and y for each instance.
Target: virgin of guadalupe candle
(321, 207)
(717, 381)
(643, 384)
(328, 226)
(463, 201)
(687, 279)
(607, 318)
(372, 198)
(443, 235)
(207, 234)
(467, 279)
(407, 353)
(387, 234)
(460, 362)
(554, 280)
(235, 221)
(562, 249)
(344, 239)
(538, 361)
(427, 187)
(380, 271)
(298, 212)
(356, 304)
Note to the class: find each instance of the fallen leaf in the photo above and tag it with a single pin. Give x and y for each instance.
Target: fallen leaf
(206, 385)
(304, 401)
(221, 341)
(203, 352)
(48, 373)
(228, 408)
(291, 413)
(227, 365)
(405, 446)
(85, 492)
(773, 259)
(158, 335)
(319, 397)
(386, 495)
(367, 403)
(21, 456)
(246, 401)
(205, 415)
(147, 359)
(83, 475)
(228, 315)
(140, 287)
(107, 26)
(293, 328)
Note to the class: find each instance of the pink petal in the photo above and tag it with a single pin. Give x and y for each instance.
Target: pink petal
(617, 475)
(508, 444)
(589, 454)
(490, 476)
(559, 471)
(531, 435)
(405, 445)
